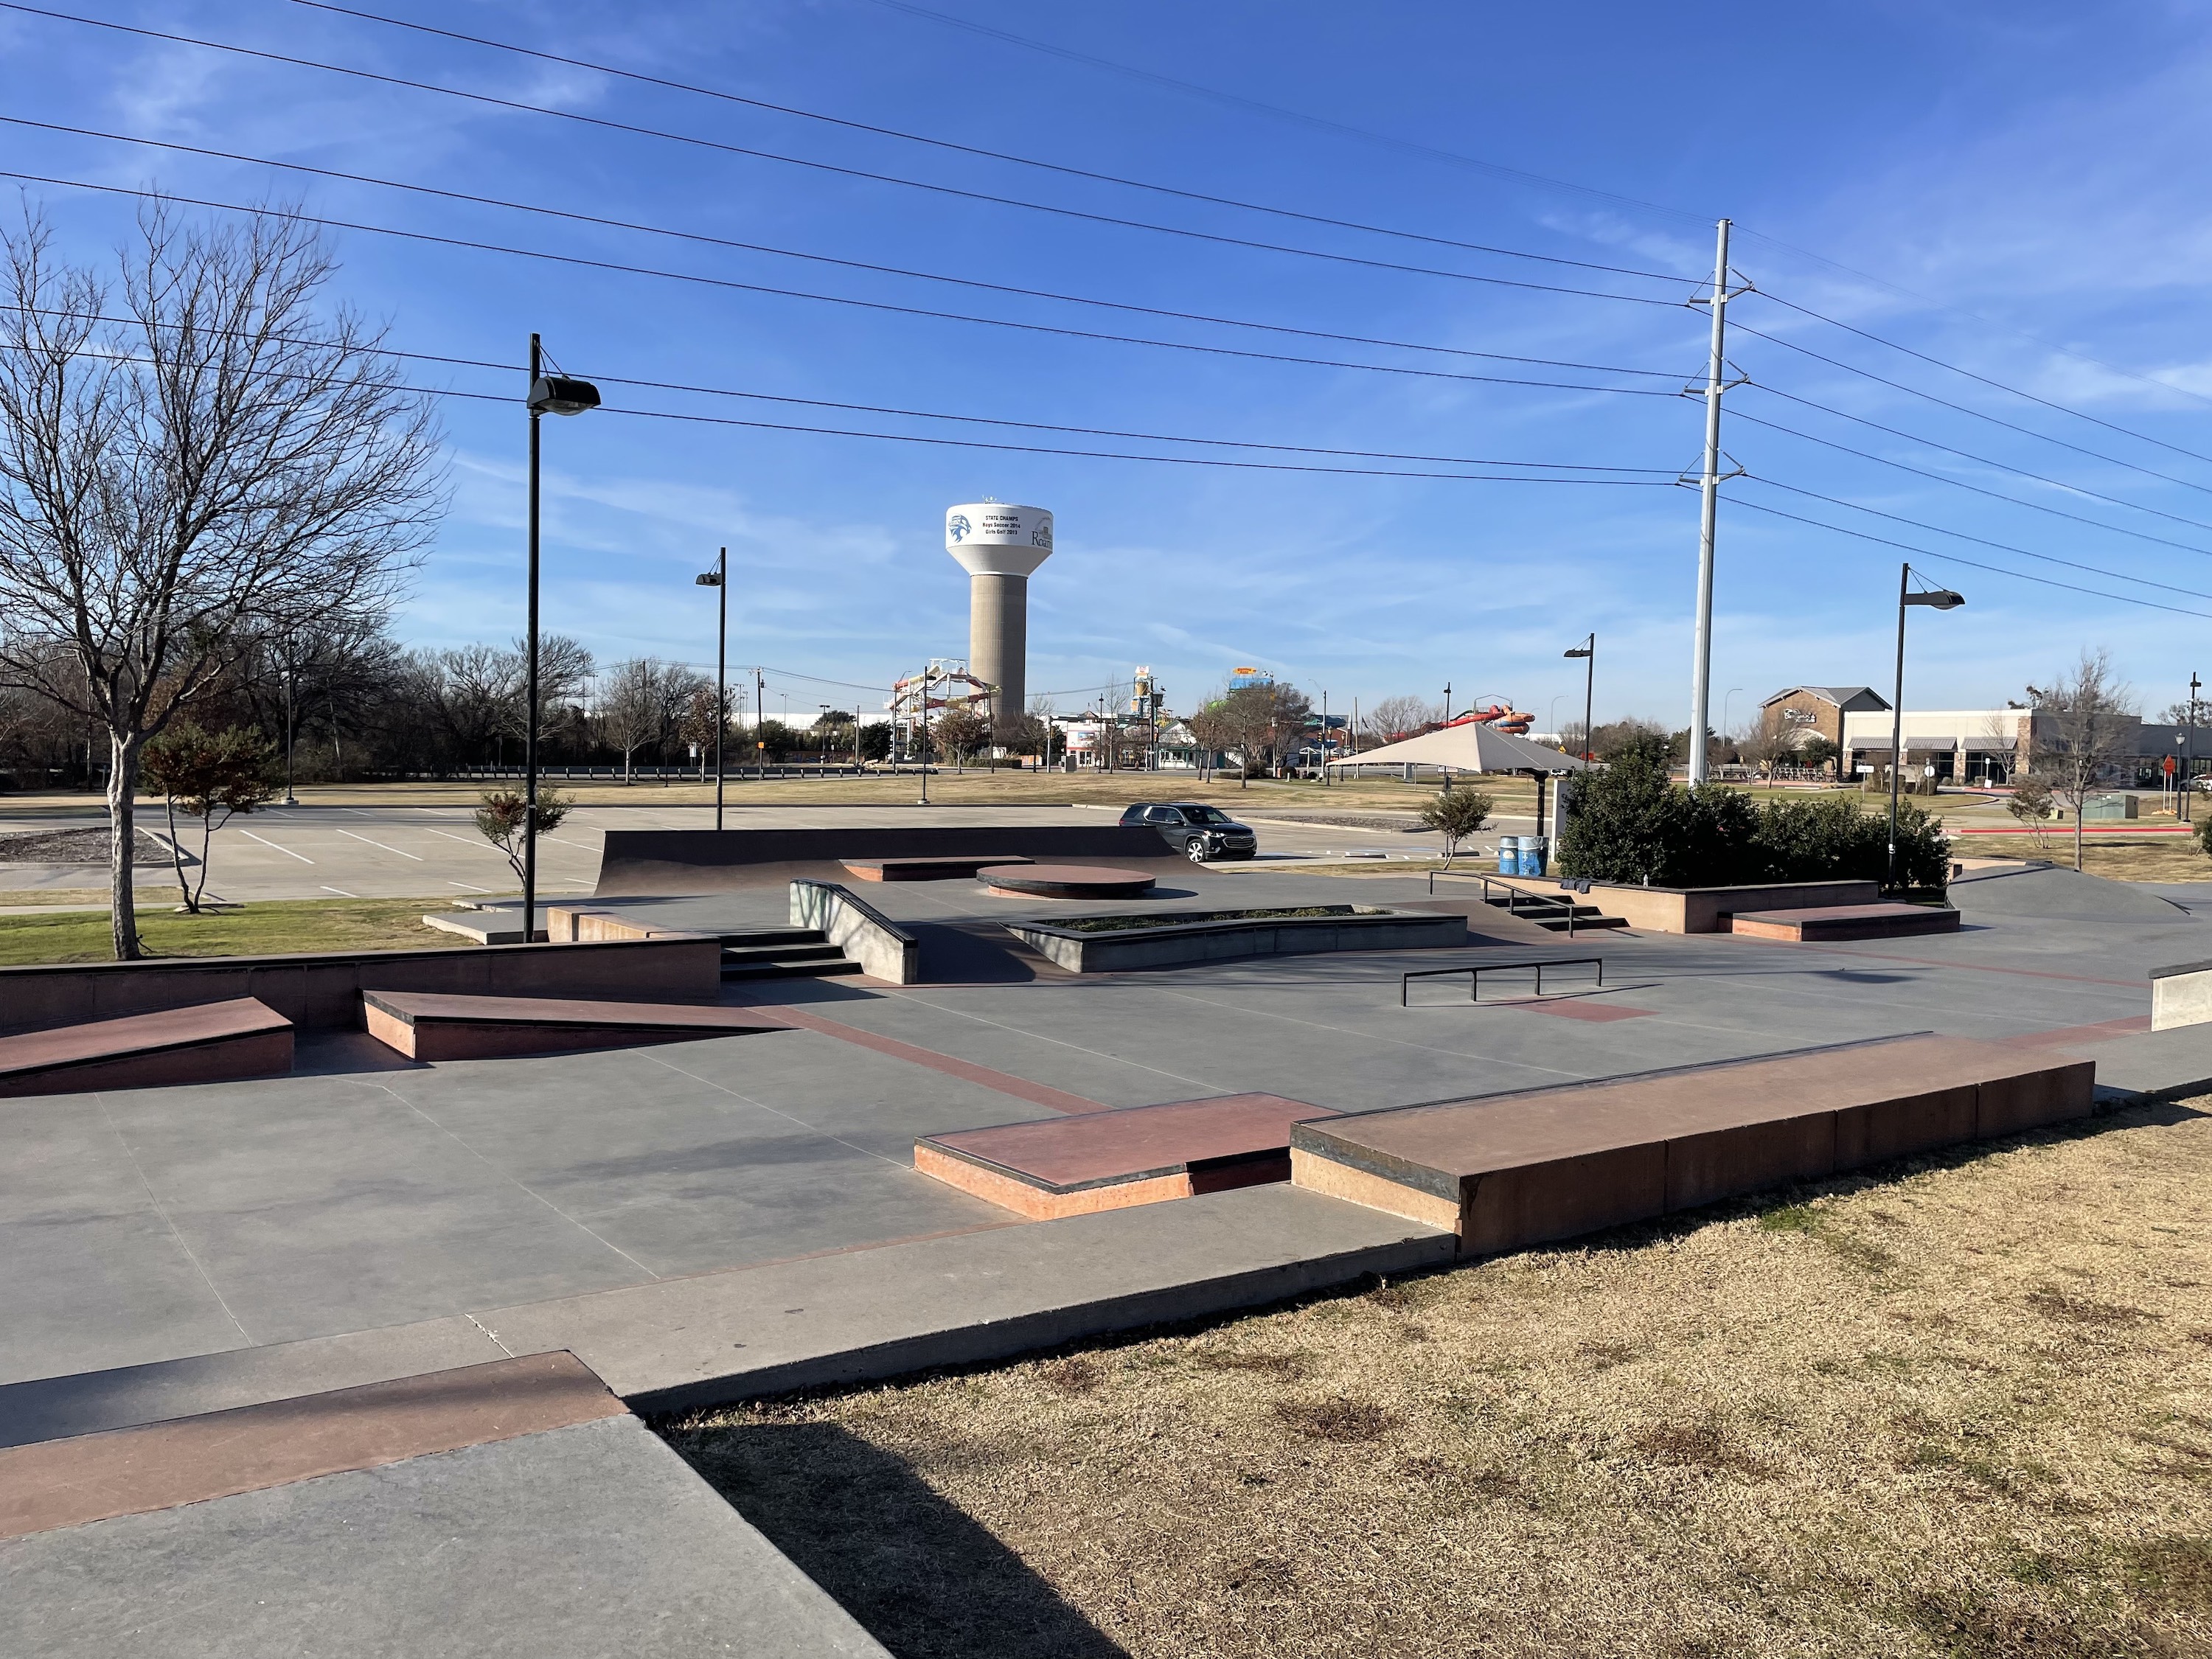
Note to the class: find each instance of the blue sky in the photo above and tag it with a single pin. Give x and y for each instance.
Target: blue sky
(2015, 189)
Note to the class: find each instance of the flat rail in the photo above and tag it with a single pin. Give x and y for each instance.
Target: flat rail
(1475, 971)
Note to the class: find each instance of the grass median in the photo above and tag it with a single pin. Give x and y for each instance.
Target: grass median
(1964, 1410)
(270, 929)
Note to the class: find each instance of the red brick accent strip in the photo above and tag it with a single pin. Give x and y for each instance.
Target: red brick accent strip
(1005, 1083)
(158, 1466)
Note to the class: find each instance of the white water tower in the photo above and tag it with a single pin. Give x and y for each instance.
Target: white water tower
(998, 546)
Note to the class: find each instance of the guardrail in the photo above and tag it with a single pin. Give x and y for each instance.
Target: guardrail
(1476, 970)
(1514, 895)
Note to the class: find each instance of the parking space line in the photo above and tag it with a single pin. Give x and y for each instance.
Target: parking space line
(286, 851)
(468, 886)
(417, 857)
(340, 891)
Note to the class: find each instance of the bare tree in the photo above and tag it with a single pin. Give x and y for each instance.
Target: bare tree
(224, 462)
(1774, 745)
(1400, 717)
(2081, 726)
(632, 707)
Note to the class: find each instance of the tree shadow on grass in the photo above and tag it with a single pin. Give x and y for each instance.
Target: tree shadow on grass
(925, 1579)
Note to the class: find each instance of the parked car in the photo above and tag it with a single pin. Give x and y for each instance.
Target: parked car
(1197, 831)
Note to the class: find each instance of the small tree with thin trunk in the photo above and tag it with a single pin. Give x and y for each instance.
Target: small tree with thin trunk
(503, 816)
(2030, 803)
(1456, 815)
(189, 459)
(211, 776)
(2081, 724)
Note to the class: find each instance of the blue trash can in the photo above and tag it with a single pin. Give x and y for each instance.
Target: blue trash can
(1508, 855)
(1533, 849)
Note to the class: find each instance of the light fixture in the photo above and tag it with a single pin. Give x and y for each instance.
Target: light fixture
(558, 394)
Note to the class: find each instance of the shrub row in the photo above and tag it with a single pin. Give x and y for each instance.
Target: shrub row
(1632, 824)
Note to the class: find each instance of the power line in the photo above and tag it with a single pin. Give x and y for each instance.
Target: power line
(816, 258)
(1412, 147)
(1085, 455)
(1496, 170)
(1961, 483)
(544, 256)
(977, 151)
(1964, 409)
(826, 166)
(1981, 460)
(2110, 426)
(1981, 541)
(1926, 553)
(873, 409)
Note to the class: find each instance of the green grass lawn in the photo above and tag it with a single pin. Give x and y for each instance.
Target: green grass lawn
(252, 930)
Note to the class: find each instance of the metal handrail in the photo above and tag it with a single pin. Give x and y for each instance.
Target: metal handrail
(1475, 971)
(1513, 895)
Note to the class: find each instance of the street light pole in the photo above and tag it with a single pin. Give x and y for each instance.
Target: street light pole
(291, 684)
(1941, 599)
(2189, 746)
(553, 394)
(719, 580)
(530, 716)
(1588, 651)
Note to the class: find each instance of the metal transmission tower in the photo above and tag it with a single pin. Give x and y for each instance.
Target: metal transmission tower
(1716, 382)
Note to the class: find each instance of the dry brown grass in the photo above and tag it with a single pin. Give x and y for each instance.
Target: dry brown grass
(2151, 858)
(1966, 1412)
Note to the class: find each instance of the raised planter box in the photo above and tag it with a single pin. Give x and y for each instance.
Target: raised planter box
(1166, 942)
(1708, 909)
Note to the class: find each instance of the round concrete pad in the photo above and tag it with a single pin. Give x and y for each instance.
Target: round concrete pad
(1065, 881)
(2049, 890)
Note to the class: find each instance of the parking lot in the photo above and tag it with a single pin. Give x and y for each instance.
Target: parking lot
(309, 852)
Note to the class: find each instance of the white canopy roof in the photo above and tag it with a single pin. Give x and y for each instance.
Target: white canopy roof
(1470, 748)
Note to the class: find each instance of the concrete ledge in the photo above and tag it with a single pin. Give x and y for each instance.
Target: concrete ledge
(429, 1026)
(1530, 1168)
(2181, 995)
(1702, 909)
(923, 869)
(322, 990)
(884, 950)
(1842, 922)
(1353, 928)
(214, 1043)
(1110, 1160)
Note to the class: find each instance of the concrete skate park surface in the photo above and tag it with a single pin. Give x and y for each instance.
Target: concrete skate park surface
(740, 1214)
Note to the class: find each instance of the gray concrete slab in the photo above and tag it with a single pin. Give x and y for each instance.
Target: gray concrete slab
(964, 1299)
(589, 1541)
(2169, 1065)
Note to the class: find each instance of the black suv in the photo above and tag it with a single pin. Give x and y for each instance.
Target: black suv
(1199, 832)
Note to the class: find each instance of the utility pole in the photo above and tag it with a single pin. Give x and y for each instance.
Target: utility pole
(760, 715)
(1701, 674)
